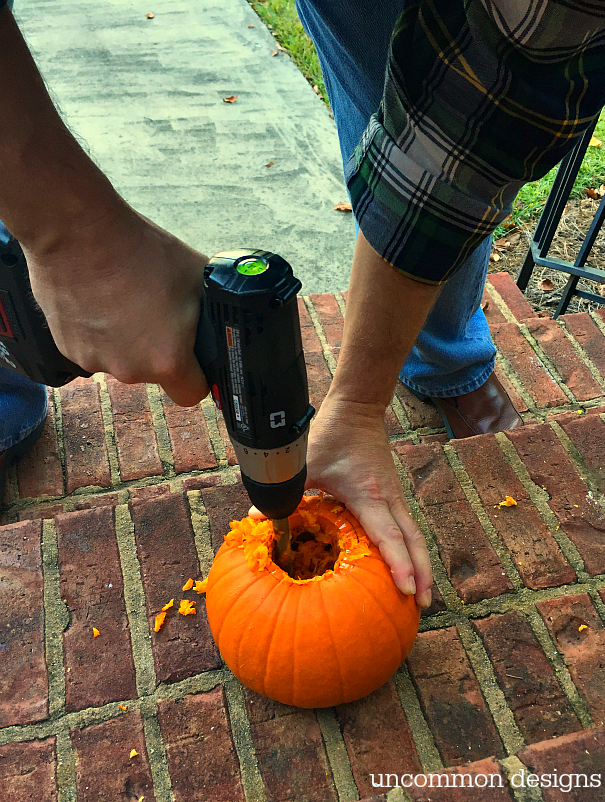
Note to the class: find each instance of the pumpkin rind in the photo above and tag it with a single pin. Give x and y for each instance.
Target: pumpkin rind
(316, 642)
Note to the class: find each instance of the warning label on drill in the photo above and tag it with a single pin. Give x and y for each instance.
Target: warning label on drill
(237, 379)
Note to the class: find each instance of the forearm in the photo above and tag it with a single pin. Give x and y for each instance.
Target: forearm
(385, 312)
(49, 187)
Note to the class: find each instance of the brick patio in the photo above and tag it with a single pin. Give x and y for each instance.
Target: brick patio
(126, 496)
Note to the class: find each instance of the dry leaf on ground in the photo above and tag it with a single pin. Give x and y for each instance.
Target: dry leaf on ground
(547, 285)
(230, 99)
(343, 206)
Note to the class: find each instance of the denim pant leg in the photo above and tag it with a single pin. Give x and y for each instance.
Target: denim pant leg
(23, 402)
(454, 353)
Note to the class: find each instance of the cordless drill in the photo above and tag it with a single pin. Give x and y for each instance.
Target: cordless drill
(248, 345)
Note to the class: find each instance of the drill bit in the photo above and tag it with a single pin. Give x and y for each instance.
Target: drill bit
(281, 527)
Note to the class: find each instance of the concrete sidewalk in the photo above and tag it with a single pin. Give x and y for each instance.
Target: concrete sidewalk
(127, 496)
(147, 98)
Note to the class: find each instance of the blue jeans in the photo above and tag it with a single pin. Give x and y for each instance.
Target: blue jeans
(454, 353)
(22, 402)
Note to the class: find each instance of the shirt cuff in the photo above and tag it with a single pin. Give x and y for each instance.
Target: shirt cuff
(420, 224)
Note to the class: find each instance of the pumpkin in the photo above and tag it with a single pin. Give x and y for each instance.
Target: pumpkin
(333, 632)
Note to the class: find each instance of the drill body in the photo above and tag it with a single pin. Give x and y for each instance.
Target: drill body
(248, 344)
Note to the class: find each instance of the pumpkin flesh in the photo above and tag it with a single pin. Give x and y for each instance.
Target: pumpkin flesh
(325, 636)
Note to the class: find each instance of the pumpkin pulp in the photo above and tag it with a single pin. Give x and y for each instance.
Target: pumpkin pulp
(323, 539)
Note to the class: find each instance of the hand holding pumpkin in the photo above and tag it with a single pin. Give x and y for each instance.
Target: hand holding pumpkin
(349, 457)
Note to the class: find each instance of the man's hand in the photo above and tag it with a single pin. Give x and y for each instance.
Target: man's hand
(350, 458)
(122, 296)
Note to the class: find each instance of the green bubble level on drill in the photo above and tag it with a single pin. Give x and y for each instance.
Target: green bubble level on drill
(252, 266)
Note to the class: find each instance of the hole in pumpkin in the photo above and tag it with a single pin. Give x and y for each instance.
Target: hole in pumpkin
(310, 554)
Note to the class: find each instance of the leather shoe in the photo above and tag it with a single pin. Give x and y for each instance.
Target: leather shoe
(14, 452)
(486, 409)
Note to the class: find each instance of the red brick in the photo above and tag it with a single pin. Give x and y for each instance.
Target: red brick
(330, 317)
(201, 482)
(223, 505)
(469, 558)
(589, 336)
(526, 678)
(534, 550)
(102, 500)
(150, 492)
(28, 771)
(518, 402)
(40, 512)
(93, 590)
(421, 414)
(563, 418)
(492, 313)
(512, 296)
(188, 431)
(290, 751)
(437, 603)
(392, 426)
(571, 369)
(86, 460)
(166, 548)
(534, 376)
(24, 680)
(104, 769)
(135, 436)
(587, 433)
(451, 698)
(582, 649)
(460, 780)
(581, 753)
(377, 737)
(549, 466)
(318, 374)
(39, 472)
(202, 760)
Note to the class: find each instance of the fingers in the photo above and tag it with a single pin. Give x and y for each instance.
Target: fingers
(190, 387)
(403, 548)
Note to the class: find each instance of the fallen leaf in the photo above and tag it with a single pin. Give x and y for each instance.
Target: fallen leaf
(542, 314)
(509, 501)
(270, 164)
(514, 238)
(95, 632)
(495, 256)
(501, 243)
(133, 753)
(547, 285)
(187, 607)
(316, 89)
(251, 26)
(230, 99)
(343, 206)
(150, 15)
(274, 52)
(595, 142)
(188, 584)
(592, 193)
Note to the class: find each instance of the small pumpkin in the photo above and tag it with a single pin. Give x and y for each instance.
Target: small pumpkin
(333, 632)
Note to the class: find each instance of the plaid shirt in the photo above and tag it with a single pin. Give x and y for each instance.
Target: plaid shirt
(480, 97)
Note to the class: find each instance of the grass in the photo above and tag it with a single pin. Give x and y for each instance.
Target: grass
(281, 18)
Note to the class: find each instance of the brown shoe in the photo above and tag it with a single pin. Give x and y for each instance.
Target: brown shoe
(486, 409)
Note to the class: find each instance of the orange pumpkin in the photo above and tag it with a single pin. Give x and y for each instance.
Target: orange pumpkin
(333, 634)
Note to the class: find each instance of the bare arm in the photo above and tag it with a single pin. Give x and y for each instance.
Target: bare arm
(100, 271)
(349, 455)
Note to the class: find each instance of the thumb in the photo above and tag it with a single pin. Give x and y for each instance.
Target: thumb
(191, 388)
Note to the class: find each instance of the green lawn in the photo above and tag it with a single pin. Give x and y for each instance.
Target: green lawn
(281, 17)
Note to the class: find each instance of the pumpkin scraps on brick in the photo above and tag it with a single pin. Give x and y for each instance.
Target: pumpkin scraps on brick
(333, 631)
